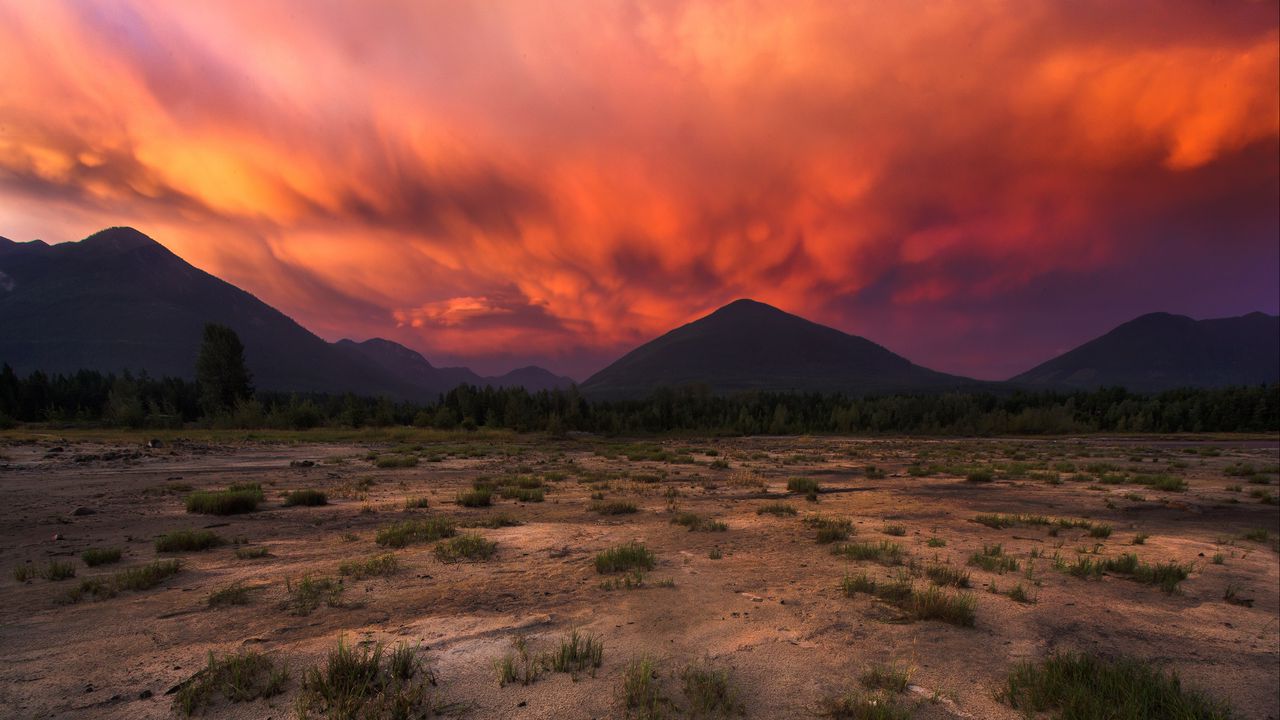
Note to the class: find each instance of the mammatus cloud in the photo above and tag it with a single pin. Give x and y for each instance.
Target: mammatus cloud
(974, 185)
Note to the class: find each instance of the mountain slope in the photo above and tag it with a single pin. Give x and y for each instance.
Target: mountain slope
(748, 345)
(119, 300)
(1161, 351)
(411, 367)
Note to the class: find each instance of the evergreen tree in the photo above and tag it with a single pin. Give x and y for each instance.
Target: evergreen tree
(221, 374)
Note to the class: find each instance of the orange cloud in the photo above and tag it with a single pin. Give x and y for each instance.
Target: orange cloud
(559, 180)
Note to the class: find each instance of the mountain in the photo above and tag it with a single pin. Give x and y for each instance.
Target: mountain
(747, 345)
(1161, 351)
(119, 300)
(410, 366)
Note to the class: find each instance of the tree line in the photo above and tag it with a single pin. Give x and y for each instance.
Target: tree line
(93, 398)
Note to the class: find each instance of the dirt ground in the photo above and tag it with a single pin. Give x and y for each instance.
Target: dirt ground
(770, 609)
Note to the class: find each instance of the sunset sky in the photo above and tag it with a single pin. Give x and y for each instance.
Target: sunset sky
(975, 185)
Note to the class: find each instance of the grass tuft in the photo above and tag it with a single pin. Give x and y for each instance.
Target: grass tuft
(407, 532)
(247, 675)
(93, 557)
(623, 558)
(188, 541)
(1071, 685)
(382, 565)
(307, 498)
(468, 546)
(232, 501)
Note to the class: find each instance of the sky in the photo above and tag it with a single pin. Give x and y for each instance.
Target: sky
(977, 185)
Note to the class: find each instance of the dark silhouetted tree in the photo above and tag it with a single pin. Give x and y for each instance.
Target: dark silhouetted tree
(221, 374)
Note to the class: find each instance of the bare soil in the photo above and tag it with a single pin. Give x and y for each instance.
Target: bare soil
(770, 609)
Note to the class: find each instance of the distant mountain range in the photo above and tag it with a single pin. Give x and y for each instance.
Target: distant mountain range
(747, 345)
(1162, 351)
(119, 300)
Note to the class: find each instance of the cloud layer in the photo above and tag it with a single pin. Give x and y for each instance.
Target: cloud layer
(974, 185)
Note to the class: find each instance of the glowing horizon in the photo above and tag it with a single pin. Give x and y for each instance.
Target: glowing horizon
(976, 187)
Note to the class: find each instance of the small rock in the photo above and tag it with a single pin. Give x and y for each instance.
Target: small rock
(144, 694)
(82, 511)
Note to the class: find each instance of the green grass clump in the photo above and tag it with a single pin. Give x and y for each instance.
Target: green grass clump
(239, 677)
(883, 552)
(614, 507)
(1166, 575)
(894, 530)
(886, 677)
(356, 682)
(980, 476)
(1100, 531)
(511, 492)
(1020, 594)
(188, 541)
(710, 692)
(407, 532)
(468, 546)
(855, 705)
(778, 509)
(57, 570)
(623, 558)
(640, 692)
(304, 596)
(418, 503)
(232, 501)
(1168, 483)
(235, 594)
(499, 520)
(252, 553)
(805, 486)
(1258, 535)
(947, 575)
(1071, 685)
(143, 577)
(693, 521)
(381, 565)
(993, 559)
(482, 497)
(307, 498)
(933, 603)
(577, 653)
(396, 461)
(830, 530)
(936, 542)
(861, 583)
(93, 557)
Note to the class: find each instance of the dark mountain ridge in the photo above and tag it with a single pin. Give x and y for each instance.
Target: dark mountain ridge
(1162, 351)
(119, 300)
(748, 345)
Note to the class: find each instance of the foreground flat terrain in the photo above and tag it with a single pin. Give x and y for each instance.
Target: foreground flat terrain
(761, 599)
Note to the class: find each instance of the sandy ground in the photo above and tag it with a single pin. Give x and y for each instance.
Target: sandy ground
(770, 609)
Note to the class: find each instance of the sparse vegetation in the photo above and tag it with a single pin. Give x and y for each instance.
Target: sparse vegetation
(93, 557)
(381, 565)
(710, 692)
(356, 682)
(615, 507)
(778, 509)
(884, 552)
(235, 594)
(830, 530)
(482, 497)
(623, 558)
(467, 546)
(188, 541)
(233, 501)
(306, 498)
(306, 595)
(408, 532)
(239, 677)
(1072, 685)
(640, 692)
(143, 577)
